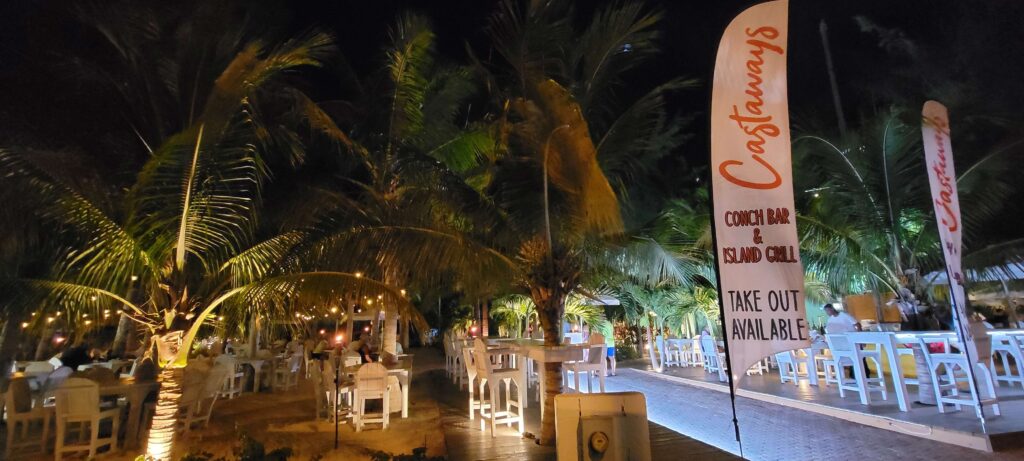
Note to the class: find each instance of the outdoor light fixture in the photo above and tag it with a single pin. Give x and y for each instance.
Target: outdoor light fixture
(359, 274)
(334, 310)
(338, 339)
(366, 328)
(49, 320)
(402, 291)
(322, 331)
(135, 278)
(369, 302)
(24, 324)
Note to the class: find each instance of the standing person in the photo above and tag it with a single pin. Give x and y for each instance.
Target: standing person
(839, 322)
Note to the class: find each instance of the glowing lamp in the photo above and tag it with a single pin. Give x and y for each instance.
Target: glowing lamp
(322, 331)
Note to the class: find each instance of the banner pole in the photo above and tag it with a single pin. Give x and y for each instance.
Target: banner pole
(721, 304)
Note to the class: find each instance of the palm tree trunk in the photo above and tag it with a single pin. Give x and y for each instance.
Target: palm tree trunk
(44, 342)
(550, 307)
(390, 331)
(405, 335)
(121, 337)
(161, 432)
(10, 337)
(485, 324)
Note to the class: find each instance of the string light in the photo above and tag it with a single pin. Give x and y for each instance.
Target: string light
(359, 275)
(334, 310)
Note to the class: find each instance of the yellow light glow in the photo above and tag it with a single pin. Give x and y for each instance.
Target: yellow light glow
(359, 274)
(369, 302)
(92, 298)
(85, 315)
(334, 310)
(322, 331)
(50, 319)
(24, 324)
(402, 291)
(338, 338)
(220, 318)
(87, 322)
(135, 278)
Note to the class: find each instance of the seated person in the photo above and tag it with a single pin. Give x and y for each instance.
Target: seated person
(360, 347)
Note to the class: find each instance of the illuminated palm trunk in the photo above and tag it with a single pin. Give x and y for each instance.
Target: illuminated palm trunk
(161, 433)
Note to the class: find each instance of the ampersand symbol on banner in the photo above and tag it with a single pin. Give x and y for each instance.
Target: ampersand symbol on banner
(757, 236)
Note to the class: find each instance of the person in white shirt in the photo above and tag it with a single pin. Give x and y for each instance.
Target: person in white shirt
(839, 322)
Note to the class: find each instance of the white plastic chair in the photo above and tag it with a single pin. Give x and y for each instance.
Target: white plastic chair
(491, 379)
(594, 363)
(789, 368)
(23, 411)
(371, 384)
(845, 353)
(286, 375)
(39, 367)
(78, 408)
(1007, 347)
(191, 395)
(947, 383)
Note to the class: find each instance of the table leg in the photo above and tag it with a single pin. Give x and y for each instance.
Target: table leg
(136, 399)
(405, 394)
(256, 376)
(812, 368)
(897, 376)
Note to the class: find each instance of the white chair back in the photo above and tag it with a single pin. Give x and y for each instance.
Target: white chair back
(351, 359)
(372, 377)
(18, 398)
(77, 397)
(839, 343)
(215, 380)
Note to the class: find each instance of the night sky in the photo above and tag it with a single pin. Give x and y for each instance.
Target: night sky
(39, 107)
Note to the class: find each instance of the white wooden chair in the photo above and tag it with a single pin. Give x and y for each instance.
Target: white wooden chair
(714, 361)
(371, 384)
(194, 381)
(845, 353)
(471, 376)
(669, 356)
(491, 379)
(947, 383)
(211, 391)
(286, 374)
(789, 368)
(1008, 347)
(78, 411)
(696, 356)
(23, 412)
(595, 363)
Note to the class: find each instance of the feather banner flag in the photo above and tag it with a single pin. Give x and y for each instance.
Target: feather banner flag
(760, 276)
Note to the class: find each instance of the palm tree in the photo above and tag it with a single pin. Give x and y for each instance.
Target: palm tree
(519, 203)
(866, 219)
(187, 232)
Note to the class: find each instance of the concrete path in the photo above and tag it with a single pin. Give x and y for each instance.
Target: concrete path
(773, 432)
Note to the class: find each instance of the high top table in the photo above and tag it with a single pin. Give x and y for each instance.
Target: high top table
(534, 349)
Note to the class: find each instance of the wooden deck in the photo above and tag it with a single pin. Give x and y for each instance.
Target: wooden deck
(466, 442)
